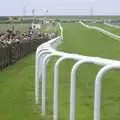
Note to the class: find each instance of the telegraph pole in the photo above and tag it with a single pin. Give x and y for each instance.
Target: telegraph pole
(91, 11)
(24, 11)
(33, 14)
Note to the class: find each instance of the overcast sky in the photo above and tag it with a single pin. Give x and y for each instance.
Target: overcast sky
(60, 7)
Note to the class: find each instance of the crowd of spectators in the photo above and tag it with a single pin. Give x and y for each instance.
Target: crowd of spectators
(15, 44)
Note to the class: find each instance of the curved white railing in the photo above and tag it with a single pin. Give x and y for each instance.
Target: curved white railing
(45, 52)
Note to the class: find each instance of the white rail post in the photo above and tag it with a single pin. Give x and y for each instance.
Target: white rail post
(44, 83)
(38, 55)
(45, 48)
(73, 84)
(56, 76)
(97, 99)
(48, 51)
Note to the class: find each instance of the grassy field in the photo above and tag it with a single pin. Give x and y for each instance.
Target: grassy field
(21, 27)
(110, 29)
(17, 81)
(78, 39)
(17, 91)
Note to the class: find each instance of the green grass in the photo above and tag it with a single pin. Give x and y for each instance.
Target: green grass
(89, 42)
(17, 81)
(109, 28)
(21, 27)
(17, 91)
(78, 39)
(49, 28)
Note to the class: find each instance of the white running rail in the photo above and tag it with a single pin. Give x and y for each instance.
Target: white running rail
(45, 52)
(111, 25)
(114, 36)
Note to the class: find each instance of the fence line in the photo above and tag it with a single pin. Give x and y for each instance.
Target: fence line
(114, 36)
(48, 50)
(10, 53)
(97, 99)
(111, 25)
